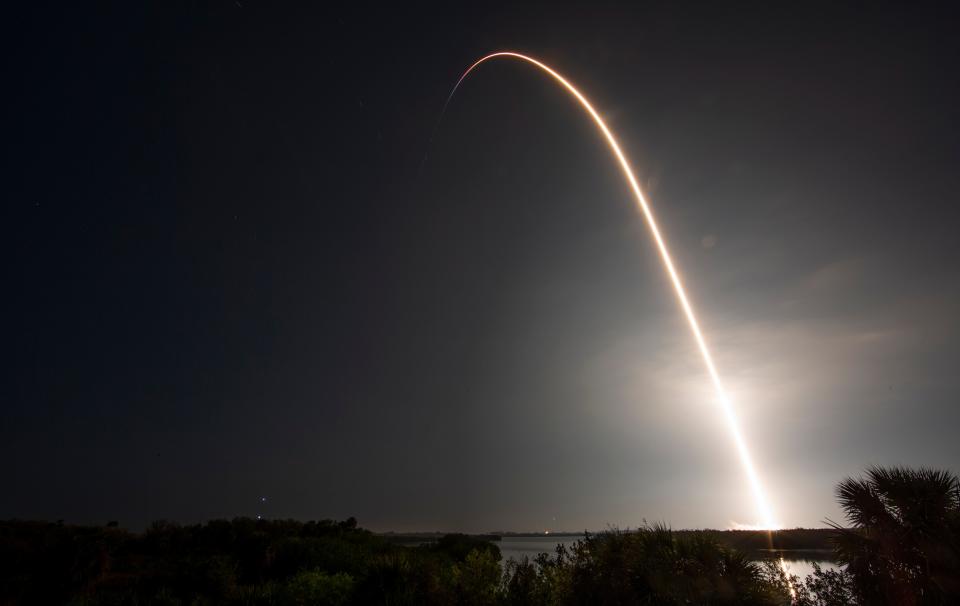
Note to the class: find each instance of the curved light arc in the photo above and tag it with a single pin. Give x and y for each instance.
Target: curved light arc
(733, 424)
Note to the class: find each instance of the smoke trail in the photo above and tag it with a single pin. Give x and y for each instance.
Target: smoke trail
(733, 425)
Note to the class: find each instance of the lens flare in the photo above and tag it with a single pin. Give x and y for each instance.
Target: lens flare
(733, 425)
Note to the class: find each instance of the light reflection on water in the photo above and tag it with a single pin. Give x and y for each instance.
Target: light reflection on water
(804, 566)
(518, 547)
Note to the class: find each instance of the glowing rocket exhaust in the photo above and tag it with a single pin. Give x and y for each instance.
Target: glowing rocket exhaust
(733, 425)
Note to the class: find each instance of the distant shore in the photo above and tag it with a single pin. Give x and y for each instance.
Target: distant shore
(816, 541)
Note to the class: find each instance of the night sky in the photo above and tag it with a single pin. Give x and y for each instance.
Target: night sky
(240, 268)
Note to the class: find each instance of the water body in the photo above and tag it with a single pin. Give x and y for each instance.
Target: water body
(802, 567)
(520, 547)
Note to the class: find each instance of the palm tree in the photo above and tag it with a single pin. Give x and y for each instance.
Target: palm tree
(904, 547)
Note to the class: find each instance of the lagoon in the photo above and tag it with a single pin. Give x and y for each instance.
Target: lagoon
(800, 564)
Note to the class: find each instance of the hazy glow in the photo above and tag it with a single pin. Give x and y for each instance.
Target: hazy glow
(733, 426)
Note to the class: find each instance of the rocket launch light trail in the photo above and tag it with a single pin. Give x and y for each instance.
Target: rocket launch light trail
(733, 425)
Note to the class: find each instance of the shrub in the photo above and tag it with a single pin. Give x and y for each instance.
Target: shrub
(317, 588)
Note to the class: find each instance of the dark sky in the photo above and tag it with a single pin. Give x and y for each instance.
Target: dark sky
(234, 275)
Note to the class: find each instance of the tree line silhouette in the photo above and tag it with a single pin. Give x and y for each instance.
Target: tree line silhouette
(901, 547)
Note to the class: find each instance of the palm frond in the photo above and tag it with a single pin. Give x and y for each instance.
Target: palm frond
(862, 504)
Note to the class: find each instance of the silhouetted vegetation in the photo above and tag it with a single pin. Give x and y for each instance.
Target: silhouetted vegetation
(903, 544)
(242, 561)
(254, 562)
(652, 565)
(903, 548)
